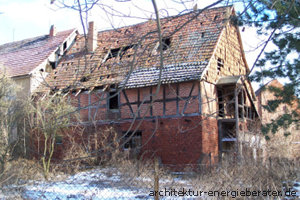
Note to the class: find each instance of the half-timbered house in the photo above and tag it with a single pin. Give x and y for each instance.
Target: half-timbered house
(190, 107)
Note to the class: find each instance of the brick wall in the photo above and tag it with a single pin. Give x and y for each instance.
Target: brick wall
(179, 141)
(279, 145)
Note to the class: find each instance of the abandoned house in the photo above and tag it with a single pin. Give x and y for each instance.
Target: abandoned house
(195, 108)
(279, 145)
(29, 61)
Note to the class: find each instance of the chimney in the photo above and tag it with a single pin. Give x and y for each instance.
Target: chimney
(52, 31)
(92, 37)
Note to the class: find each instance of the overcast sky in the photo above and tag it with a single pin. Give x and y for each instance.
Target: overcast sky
(21, 19)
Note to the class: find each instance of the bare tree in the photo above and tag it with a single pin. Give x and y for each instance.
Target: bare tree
(49, 116)
(11, 114)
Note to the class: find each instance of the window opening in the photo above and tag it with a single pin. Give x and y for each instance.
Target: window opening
(220, 63)
(113, 53)
(221, 103)
(202, 35)
(113, 100)
(58, 139)
(65, 46)
(133, 140)
(53, 65)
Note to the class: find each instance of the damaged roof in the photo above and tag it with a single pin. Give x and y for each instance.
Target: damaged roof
(21, 57)
(129, 56)
(169, 74)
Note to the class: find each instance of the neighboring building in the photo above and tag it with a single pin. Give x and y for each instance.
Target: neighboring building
(196, 110)
(29, 61)
(279, 145)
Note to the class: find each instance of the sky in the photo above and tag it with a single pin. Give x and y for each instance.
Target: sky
(21, 19)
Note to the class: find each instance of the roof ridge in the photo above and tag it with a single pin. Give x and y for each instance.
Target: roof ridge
(31, 38)
(170, 17)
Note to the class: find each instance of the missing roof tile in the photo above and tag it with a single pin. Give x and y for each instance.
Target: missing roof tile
(84, 78)
(118, 52)
(114, 53)
(166, 42)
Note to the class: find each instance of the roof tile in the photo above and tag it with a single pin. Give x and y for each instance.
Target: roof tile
(193, 39)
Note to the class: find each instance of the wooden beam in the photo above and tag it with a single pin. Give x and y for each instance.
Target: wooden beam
(151, 108)
(236, 93)
(189, 97)
(199, 98)
(77, 93)
(138, 101)
(164, 100)
(128, 103)
(177, 99)
(92, 88)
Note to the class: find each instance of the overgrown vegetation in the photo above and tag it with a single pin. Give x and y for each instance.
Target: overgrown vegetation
(51, 115)
(279, 20)
(12, 112)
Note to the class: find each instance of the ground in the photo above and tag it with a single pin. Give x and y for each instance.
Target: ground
(103, 183)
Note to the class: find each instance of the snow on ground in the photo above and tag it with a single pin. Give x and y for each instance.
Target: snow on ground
(94, 184)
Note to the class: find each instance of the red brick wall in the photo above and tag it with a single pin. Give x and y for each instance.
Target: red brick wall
(178, 141)
(175, 138)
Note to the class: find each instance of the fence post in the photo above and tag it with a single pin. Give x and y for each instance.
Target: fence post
(156, 179)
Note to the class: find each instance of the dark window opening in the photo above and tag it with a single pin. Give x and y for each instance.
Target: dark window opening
(202, 35)
(166, 42)
(133, 140)
(53, 65)
(228, 137)
(113, 100)
(65, 46)
(240, 112)
(41, 70)
(229, 131)
(58, 139)
(221, 103)
(220, 63)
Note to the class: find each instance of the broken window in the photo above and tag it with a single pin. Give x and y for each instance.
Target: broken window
(228, 136)
(133, 140)
(220, 63)
(113, 100)
(166, 42)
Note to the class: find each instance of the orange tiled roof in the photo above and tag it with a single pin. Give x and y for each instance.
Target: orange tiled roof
(21, 57)
(192, 38)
